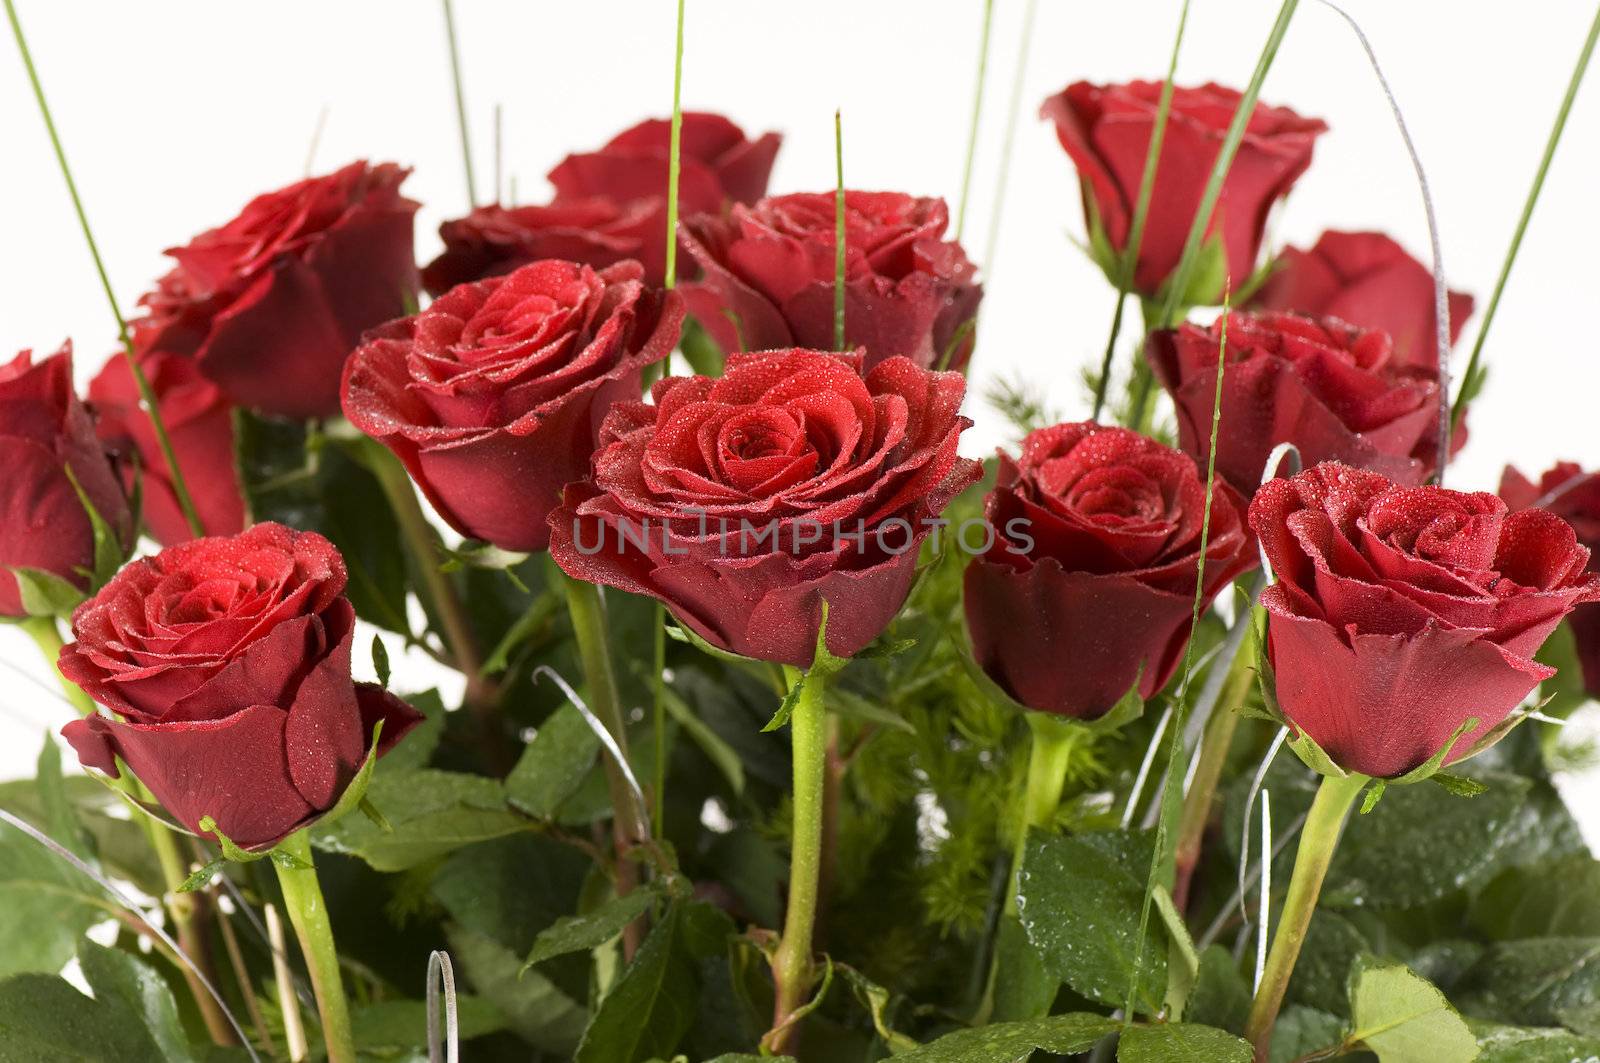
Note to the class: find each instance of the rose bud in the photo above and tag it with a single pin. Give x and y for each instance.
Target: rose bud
(1398, 613)
(44, 432)
(1088, 583)
(1574, 495)
(768, 277)
(746, 502)
(1330, 388)
(1106, 129)
(228, 662)
(1369, 280)
(494, 395)
(611, 204)
(199, 423)
(269, 305)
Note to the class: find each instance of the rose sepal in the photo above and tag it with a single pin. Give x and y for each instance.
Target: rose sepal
(823, 665)
(1128, 708)
(43, 594)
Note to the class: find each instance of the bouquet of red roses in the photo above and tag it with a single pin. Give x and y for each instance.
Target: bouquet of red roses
(765, 721)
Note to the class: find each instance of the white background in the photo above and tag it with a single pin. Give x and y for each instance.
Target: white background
(175, 112)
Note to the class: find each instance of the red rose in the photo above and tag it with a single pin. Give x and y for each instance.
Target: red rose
(228, 661)
(769, 277)
(610, 204)
(743, 503)
(1107, 129)
(1400, 612)
(1369, 280)
(269, 305)
(1089, 581)
(44, 431)
(494, 395)
(199, 422)
(1331, 389)
(1575, 497)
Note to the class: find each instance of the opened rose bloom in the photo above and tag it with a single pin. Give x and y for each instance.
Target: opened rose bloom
(746, 502)
(46, 441)
(1368, 280)
(1106, 129)
(1330, 388)
(768, 274)
(493, 397)
(1574, 495)
(269, 305)
(199, 423)
(1399, 613)
(610, 204)
(227, 662)
(1088, 584)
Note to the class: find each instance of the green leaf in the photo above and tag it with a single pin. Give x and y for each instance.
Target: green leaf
(580, 933)
(108, 551)
(393, 1026)
(60, 819)
(138, 992)
(45, 593)
(431, 812)
(380, 661)
(118, 841)
(45, 905)
(720, 753)
(1220, 996)
(1302, 1032)
(1537, 982)
(553, 765)
(533, 1006)
(416, 748)
(876, 1000)
(1403, 1019)
(1008, 1042)
(1181, 1043)
(1023, 987)
(513, 888)
(1556, 898)
(1079, 899)
(1506, 1044)
(1459, 785)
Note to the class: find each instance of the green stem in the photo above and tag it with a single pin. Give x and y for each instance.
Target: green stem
(461, 104)
(1467, 379)
(1318, 840)
(658, 808)
(792, 969)
(47, 636)
(308, 912)
(1215, 743)
(1013, 109)
(977, 111)
(673, 158)
(838, 232)
(1051, 743)
(147, 395)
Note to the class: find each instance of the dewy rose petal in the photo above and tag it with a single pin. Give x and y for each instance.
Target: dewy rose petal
(269, 305)
(44, 432)
(1575, 497)
(493, 396)
(1330, 388)
(1400, 612)
(610, 204)
(1089, 584)
(744, 503)
(228, 662)
(1106, 129)
(768, 277)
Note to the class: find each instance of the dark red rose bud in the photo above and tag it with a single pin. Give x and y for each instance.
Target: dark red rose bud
(493, 397)
(611, 204)
(1574, 495)
(44, 431)
(1400, 612)
(199, 422)
(744, 503)
(1330, 388)
(1370, 281)
(269, 305)
(768, 277)
(1089, 582)
(228, 662)
(1106, 129)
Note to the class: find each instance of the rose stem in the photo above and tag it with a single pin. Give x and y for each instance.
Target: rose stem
(1318, 839)
(461, 104)
(838, 232)
(1129, 259)
(791, 963)
(674, 162)
(183, 907)
(977, 110)
(1468, 382)
(441, 593)
(147, 396)
(1214, 746)
(628, 822)
(308, 913)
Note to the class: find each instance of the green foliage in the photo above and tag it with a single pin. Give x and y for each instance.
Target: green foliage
(1403, 1019)
(1180, 1043)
